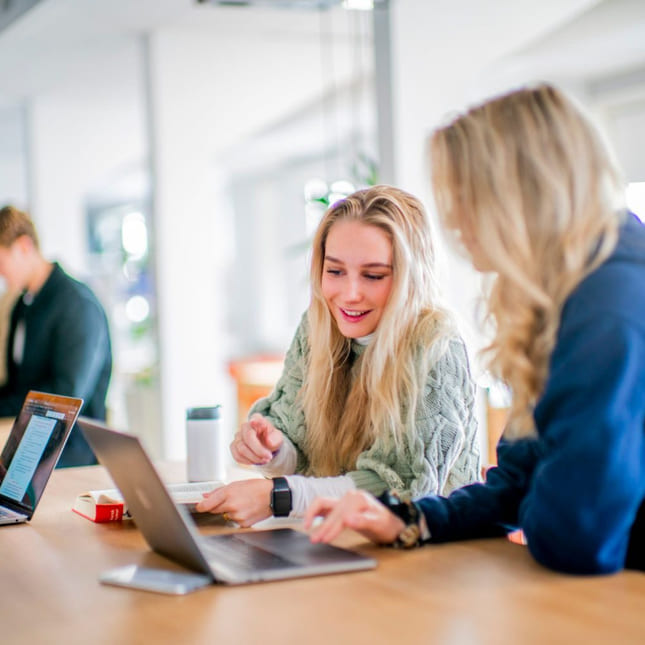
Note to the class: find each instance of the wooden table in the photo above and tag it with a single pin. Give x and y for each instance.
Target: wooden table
(485, 591)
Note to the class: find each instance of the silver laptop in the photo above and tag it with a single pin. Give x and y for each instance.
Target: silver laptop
(31, 451)
(232, 558)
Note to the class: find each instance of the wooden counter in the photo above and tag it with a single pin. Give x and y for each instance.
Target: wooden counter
(486, 591)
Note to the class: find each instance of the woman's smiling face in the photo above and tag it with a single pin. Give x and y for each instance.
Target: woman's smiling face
(357, 276)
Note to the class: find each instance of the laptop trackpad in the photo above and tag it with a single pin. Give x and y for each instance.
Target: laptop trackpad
(298, 548)
(235, 551)
(274, 549)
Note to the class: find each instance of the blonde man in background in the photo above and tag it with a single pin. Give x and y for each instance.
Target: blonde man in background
(58, 339)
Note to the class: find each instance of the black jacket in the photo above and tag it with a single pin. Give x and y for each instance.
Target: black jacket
(67, 351)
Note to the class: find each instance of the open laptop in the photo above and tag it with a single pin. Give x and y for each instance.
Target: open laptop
(32, 449)
(232, 558)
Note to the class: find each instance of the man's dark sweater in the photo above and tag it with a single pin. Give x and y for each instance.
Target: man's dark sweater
(67, 351)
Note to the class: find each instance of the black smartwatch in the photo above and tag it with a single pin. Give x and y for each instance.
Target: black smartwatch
(281, 497)
(408, 512)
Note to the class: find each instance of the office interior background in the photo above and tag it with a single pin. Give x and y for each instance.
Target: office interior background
(176, 155)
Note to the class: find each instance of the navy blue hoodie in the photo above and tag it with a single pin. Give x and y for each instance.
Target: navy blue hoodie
(578, 489)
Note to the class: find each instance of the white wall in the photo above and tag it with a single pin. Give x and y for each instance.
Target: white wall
(625, 122)
(442, 50)
(13, 161)
(209, 91)
(85, 134)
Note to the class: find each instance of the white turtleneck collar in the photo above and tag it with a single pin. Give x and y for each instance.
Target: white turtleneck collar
(365, 340)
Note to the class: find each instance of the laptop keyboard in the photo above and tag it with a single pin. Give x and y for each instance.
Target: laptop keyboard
(239, 554)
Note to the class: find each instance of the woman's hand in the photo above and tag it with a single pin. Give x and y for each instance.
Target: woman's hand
(356, 510)
(256, 442)
(245, 502)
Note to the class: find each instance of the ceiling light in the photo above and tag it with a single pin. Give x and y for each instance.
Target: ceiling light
(358, 5)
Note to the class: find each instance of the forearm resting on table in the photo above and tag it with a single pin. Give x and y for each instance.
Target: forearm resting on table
(303, 489)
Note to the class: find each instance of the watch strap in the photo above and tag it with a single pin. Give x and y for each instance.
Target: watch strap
(408, 512)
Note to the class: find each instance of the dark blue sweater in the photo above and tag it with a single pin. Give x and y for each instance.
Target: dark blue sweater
(578, 489)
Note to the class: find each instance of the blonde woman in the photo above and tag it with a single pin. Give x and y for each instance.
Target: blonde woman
(532, 193)
(376, 391)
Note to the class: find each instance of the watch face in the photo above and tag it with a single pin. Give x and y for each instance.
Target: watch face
(281, 503)
(281, 497)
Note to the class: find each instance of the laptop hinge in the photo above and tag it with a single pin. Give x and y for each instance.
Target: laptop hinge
(15, 506)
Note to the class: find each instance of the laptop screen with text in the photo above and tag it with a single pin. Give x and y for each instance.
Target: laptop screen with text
(34, 445)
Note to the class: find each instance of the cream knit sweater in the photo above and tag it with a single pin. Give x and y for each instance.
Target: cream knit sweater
(441, 454)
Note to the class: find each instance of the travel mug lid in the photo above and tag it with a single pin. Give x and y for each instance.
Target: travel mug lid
(212, 412)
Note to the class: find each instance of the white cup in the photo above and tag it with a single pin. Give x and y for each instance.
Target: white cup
(206, 449)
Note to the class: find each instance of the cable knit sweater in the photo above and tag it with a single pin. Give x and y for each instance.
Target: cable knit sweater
(439, 455)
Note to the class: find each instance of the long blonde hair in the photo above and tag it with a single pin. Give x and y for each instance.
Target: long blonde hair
(529, 179)
(350, 407)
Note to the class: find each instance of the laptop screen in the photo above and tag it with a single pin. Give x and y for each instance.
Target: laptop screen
(34, 445)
